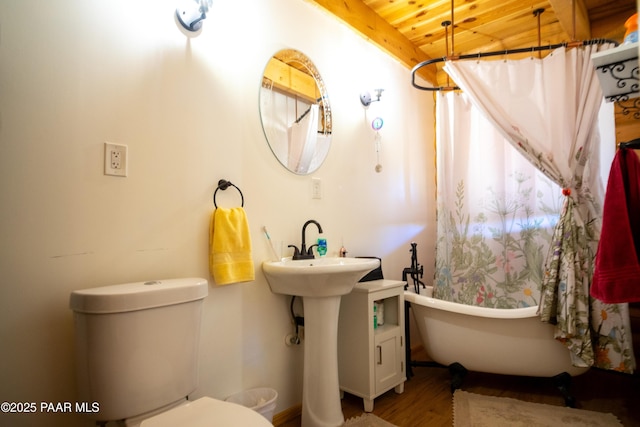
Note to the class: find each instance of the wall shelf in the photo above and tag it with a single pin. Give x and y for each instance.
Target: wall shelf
(617, 71)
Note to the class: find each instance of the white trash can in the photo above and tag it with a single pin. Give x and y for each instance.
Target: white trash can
(261, 400)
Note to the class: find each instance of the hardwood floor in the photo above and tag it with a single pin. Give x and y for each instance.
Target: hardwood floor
(427, 399)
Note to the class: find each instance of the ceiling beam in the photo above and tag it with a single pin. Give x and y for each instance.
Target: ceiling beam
(564, 10)
(371, 26)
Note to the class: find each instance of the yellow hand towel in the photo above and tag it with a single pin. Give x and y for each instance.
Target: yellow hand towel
(230, 258)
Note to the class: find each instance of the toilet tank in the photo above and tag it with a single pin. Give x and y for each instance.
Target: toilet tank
(137, 344)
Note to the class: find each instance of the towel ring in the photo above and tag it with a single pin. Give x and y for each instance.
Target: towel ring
(223, 184)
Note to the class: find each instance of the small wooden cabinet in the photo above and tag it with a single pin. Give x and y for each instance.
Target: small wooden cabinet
(371, 361)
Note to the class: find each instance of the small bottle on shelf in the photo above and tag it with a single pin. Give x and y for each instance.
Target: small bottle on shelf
(380, 310)
(375, 316)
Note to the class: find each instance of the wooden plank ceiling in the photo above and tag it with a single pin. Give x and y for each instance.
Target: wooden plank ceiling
(412, 31)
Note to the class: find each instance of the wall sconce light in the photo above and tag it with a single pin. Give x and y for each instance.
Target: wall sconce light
(191, 13)
(365, 97)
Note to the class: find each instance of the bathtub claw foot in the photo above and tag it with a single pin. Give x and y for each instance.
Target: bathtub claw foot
(563, 383)
(458, 372)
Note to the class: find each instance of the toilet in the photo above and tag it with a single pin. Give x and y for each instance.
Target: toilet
(137, 356)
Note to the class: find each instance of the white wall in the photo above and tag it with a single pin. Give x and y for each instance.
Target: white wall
(74, 74)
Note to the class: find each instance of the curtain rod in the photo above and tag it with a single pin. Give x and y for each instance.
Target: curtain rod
(497, 53)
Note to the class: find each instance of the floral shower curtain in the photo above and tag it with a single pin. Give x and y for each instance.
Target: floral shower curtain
(496, 212)
(548, 109)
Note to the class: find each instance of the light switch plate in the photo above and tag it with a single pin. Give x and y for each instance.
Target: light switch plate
(316, 188)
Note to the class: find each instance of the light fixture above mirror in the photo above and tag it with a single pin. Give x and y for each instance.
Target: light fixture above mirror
(190, 14)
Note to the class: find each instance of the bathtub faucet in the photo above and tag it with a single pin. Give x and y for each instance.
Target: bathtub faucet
(416, 270)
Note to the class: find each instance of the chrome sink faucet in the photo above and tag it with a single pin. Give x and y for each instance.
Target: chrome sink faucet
(303, 252)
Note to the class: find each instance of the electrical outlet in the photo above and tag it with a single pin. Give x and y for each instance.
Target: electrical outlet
(316, 188)
(115, 159)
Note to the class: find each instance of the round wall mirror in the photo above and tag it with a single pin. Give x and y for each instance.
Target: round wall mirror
(295, 112)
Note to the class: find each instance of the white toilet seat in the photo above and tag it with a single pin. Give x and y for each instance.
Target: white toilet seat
(207, 412)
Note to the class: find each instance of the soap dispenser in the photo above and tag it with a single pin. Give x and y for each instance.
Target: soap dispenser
(322, 246)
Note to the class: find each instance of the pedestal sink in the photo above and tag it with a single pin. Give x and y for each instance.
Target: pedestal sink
(320, 282)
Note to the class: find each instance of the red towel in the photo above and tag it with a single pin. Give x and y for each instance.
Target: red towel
(617, 266)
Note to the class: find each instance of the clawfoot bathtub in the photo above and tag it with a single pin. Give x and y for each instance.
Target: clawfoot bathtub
(499, 341)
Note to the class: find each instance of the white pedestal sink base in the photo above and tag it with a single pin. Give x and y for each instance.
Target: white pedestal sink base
(320, 282)
(321, 406)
